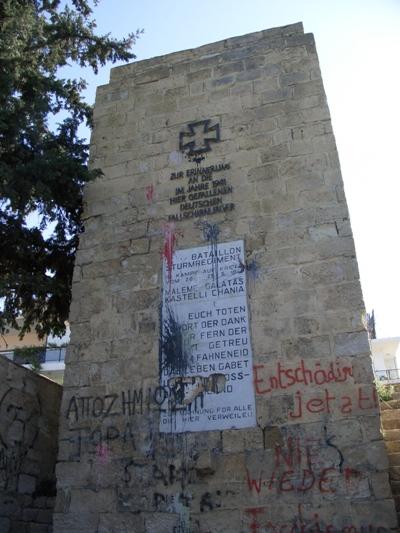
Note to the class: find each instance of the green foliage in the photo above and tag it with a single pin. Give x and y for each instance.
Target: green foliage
(385, 392)
(43, 169)
(29, 355)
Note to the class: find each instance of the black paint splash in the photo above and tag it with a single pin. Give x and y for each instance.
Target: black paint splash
(210, 234)
(329, 443)
(174, 349)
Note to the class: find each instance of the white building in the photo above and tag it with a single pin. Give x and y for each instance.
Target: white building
(386, 358)
(49, 351)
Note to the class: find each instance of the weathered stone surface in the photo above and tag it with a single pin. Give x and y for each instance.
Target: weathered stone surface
(29, 411)
(26, 484)
(314, 460)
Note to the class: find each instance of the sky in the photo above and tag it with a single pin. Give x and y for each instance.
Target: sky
(358, 44)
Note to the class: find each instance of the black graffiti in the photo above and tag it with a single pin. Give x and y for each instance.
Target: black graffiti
(19, 413)
(171, 475)
(90, 439)
(125, 403)
(139, 477)
(10, 463)
(162, 501)
(19, 429)
(328, 442)
(130, 400)
(90, 406)
(209, 503)
(173, 396)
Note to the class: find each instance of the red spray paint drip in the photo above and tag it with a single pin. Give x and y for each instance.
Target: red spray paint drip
(169, 247)
(149, 193)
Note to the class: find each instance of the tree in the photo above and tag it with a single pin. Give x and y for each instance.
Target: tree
(43, 169)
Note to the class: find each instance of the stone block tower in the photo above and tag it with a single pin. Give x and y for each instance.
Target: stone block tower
(219, 377)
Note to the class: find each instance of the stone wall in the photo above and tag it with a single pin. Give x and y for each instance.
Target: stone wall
(29, 411)
(222, 153)
(390, 421)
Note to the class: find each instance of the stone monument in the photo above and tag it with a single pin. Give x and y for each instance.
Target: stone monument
(219, 375)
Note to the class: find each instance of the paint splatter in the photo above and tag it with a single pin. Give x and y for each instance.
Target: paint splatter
(149, 190)
(210, 234)
(210, 231)
(185, 390)
(102, 454)
(170, 239)
(253, 270)
(176, 159)
(329, 443)
(198, 159)
(350, 473)
(175, 348)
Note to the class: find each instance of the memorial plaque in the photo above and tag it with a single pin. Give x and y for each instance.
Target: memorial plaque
(205, 350)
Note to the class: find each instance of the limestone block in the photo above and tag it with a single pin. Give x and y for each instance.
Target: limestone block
(379, 513)
(223, 521)
(318, 346)
(117, 523)
(84, 522)
(351, 343)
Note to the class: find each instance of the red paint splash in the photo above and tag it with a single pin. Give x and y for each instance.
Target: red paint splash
(170, 238)
(254, 512)
(149, 193)
(102, 453)
(351, 473)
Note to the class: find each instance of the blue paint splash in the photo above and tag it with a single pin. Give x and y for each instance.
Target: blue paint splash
(253, 270)
(210, 234)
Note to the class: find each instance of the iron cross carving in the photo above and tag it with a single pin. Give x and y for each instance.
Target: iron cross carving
(196, 141)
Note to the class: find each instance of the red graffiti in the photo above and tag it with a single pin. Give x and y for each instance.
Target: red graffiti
(301, 523)
(254, 511)
(327, 402)
(291, 481)
(316, 376)
(254, 483)
(149, 189)
(292, 453)
(305, 373)
(170, 238)
(295, 469)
